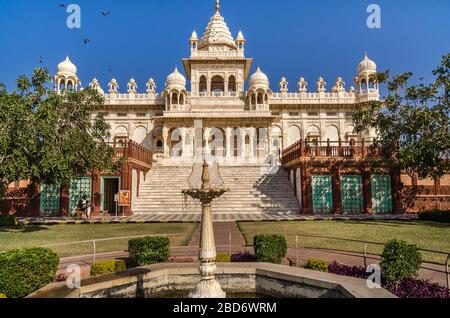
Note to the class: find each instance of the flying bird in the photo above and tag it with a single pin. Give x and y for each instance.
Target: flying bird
(110, 70)
(86, 41)
(105, 13)
(40, 60)
(62, 5)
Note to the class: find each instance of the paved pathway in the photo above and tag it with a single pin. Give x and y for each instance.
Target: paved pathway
(225, 234)
(433, 272)
(218, 217)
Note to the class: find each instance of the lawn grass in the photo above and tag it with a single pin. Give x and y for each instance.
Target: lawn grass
(426, 235)
(41, 235)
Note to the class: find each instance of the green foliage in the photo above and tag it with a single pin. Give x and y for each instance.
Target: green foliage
(3, 295)
(149, 250)
(317, 265)
(400, 260)
(270, 248)
(412, 122)
(435, 216)
(223, 258)
(57, 139)
(107, 266)
(23, 271)
(7, 221)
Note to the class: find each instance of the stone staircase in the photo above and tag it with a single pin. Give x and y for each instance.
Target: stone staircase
(253, 191)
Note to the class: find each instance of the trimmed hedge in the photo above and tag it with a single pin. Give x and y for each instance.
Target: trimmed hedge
(149, 250)
(435, 216)
(107, 267)
(317, 265)
(223, 258)
(23, 271)
(400, 260)
(270, 248)
(7, 221)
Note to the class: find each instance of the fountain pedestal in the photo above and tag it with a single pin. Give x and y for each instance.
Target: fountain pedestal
(209, 286)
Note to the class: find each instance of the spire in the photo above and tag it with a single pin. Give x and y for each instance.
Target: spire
(217, 7)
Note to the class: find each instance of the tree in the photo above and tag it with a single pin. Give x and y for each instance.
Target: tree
(50, 138)
(412, 123)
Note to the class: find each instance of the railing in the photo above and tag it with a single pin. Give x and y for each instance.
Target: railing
(218, 94)
(131, 150)
(365, 256)
(328, 149)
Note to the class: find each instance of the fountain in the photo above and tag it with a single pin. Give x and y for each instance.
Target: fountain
(205, 192)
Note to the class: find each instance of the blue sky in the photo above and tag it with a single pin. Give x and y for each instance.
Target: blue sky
(292, 38)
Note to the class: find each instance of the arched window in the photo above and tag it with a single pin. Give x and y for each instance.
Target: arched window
(203, 86)
(232, 84)
(253, 99)
(217, 84)
(236, 145)
(174, 98)
(159, 143)
(181, 99)
(260, 99)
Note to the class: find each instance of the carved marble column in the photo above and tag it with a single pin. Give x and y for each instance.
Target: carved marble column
(228, 136)
(166, 141)
(252, 140)
(243, 134)
(206, 139)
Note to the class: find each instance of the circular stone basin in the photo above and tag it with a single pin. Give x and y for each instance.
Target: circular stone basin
(245, 279)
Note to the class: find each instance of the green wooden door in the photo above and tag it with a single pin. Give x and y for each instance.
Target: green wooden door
(322, 194)
(381, 194)
(78, 188)
(49, 200)
(352, 194)
(110, 186)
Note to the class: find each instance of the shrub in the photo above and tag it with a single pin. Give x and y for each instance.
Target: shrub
(107, 266)
(317, 265)
(400, 260)
(270, 248)
(7, 220)
(355, 271)
(435, 216)
(149, 250)
(418, 288)
(23, 271)
(223, 258)
(2, 295)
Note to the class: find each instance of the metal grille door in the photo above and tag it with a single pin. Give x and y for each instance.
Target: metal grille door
(322, 194)
(381, 194)
(352, 194)
(49, 200)
(78, 188)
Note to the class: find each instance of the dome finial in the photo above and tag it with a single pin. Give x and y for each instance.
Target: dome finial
(217, 6)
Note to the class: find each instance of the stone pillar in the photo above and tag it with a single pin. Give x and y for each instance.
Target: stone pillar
(183, 141)
(252, 143)
(367, 190)
(228, 136)
(64, 198)
(166, 142)
(243, 134)
(206, 138)
(306, 179)
(396, 192)
(336, 189)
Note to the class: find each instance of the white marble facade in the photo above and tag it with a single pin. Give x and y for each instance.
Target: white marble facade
(226, 111)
